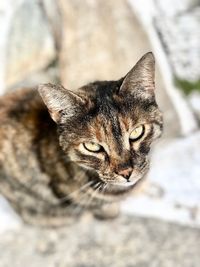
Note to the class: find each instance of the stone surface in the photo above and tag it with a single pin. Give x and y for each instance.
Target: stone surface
(125, 242)
(52, 13)
(178, 25)
(100, 45)
(43, 76)
(29, 43)
(6, 13)
(194, 100)
(9, 220)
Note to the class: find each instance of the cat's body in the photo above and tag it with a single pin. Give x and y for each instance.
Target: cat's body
(49, 172)
(29, 151)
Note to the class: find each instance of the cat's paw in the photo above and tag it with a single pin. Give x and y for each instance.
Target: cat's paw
(107, 211)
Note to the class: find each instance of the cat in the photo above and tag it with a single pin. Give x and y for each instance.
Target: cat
(63, 151)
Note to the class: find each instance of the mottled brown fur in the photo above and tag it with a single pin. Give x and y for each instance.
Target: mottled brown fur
(45, 172)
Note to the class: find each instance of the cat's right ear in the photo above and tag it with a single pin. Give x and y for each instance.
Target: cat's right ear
(140, 79)
(58, 99)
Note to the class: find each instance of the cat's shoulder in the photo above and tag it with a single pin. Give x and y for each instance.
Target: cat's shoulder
(19, 96)
(21, 103)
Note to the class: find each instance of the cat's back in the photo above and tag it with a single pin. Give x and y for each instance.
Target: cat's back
(19, 105)
(27, 142)
(23, 116)
(23, 108)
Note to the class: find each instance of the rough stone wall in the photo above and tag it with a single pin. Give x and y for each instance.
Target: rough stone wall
(27, 45)
(30, 36)
(102, 45)
(178, 23)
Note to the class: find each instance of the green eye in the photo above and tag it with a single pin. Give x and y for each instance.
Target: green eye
(92, 147)
(137, 133)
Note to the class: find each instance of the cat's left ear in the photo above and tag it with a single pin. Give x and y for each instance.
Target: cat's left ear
(60, 100)
(140, 79)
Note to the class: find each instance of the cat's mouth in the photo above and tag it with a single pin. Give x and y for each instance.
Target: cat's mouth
(124, 186)
(114, 187)
(111, 189)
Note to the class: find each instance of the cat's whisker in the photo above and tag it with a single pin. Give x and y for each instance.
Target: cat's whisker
(95, 189)
(94, 193)
(87, 199)
(96, 185)
(75, 205)
(104, 187)
(84, 196)
(67, 197)
(99, 187)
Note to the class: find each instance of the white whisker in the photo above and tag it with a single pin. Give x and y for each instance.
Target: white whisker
(93, 194)
(67, 197)
(81, 206)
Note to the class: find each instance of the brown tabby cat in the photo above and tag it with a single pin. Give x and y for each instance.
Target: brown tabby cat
(88, 153)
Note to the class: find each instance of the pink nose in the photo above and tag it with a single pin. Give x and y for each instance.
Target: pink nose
(126, 173)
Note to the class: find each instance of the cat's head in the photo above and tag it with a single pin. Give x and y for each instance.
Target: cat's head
(109, 126)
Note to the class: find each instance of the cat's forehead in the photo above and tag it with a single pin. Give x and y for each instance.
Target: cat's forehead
(111, 115)
(106, 99)
(111, 127)
(113, 121)
(115, 111)
(108, 131)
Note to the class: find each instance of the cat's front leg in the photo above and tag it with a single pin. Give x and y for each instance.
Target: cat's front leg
(107, 211)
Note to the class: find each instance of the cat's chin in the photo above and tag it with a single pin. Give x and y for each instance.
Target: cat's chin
(134, 180)
(126, 184)
(117, 189)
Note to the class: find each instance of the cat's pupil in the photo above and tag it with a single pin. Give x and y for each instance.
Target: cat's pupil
(93, 147)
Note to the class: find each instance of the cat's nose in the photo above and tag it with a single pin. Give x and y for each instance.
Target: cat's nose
(126, 173)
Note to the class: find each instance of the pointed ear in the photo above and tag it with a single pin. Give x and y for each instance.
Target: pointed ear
(58, 99)
(140, 79)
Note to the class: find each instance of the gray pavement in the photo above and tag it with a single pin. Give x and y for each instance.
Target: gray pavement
(124, 242)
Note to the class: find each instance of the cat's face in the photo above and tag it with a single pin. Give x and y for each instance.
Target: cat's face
(109, 126)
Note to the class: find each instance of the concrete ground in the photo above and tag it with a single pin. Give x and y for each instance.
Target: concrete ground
(124, 242)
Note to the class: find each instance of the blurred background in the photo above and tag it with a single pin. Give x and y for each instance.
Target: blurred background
(75, 42)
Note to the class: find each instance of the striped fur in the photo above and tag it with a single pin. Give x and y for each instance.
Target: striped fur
(47, 174)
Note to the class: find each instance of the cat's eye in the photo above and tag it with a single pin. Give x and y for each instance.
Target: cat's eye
(92, 147)
(137, 133)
